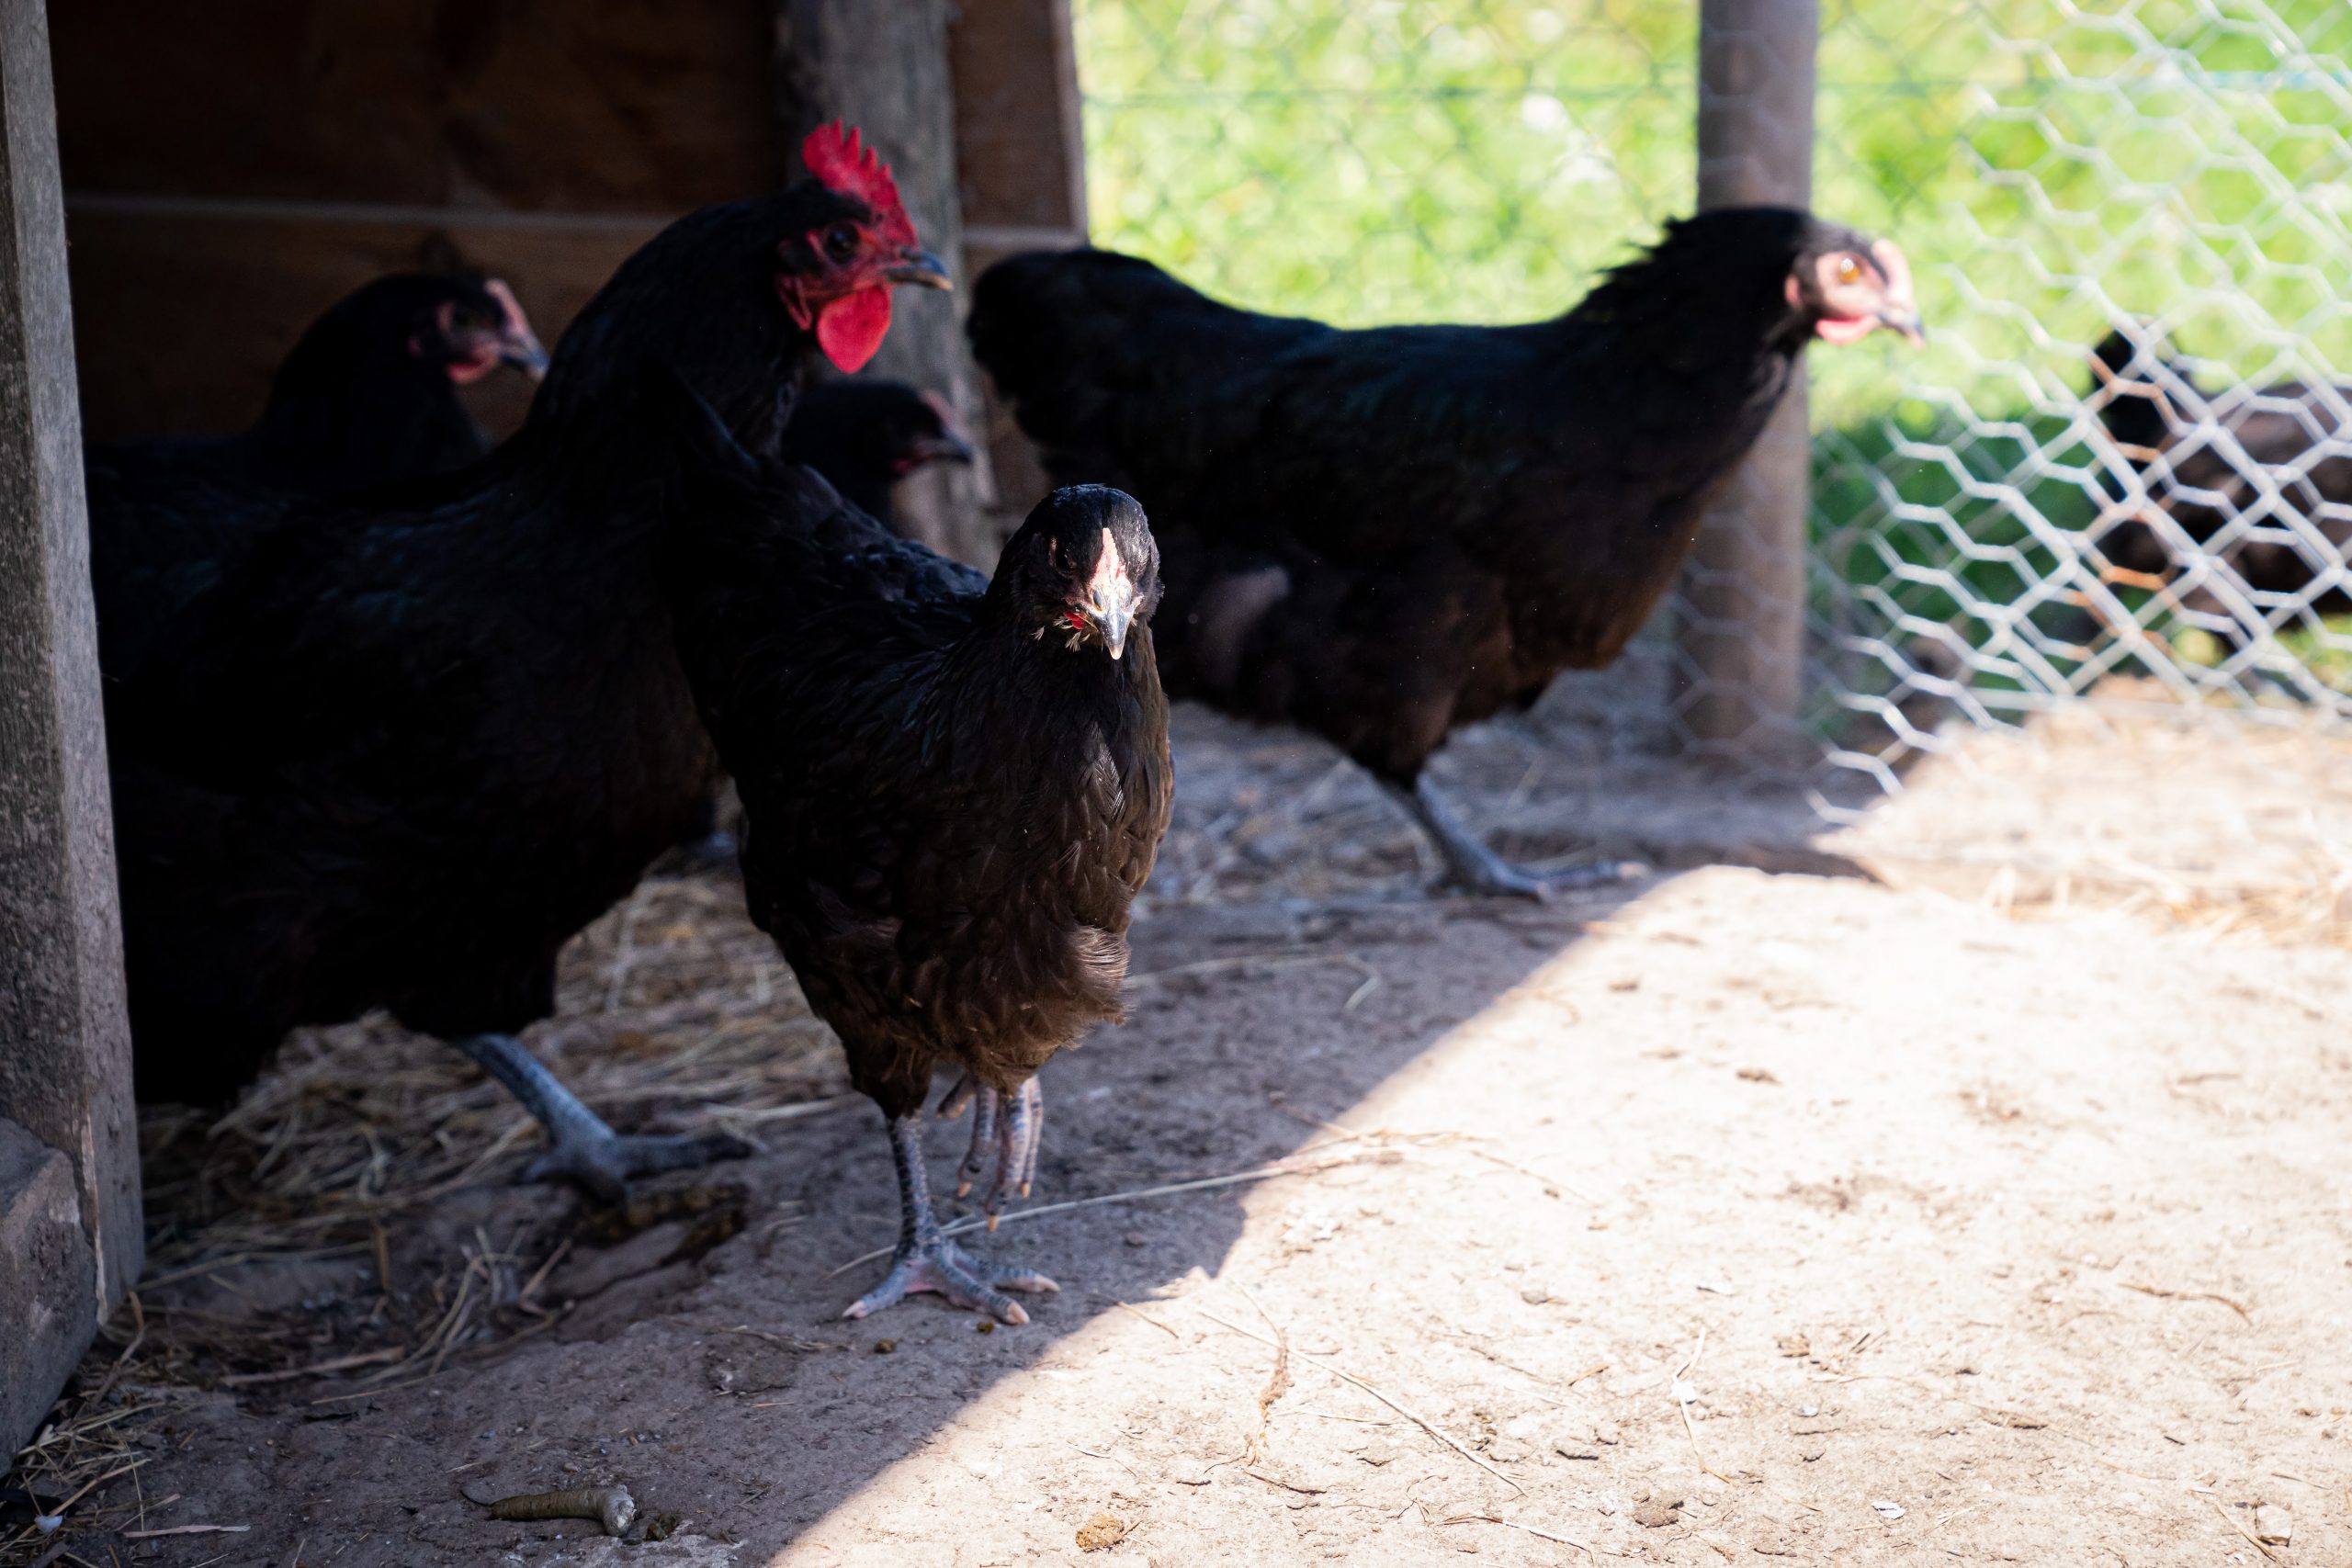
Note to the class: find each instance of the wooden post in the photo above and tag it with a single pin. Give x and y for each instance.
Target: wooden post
(884, 69)
(1019, 145)
(70, 1239)
(1740, 619)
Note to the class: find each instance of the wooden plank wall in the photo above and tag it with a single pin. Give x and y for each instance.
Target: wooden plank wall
(232, 170)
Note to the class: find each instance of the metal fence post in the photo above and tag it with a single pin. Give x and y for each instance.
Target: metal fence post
(1740, 618)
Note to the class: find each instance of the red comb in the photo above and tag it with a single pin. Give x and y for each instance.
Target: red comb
(841, 163)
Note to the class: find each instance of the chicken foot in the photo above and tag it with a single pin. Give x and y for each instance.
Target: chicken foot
(1470, 864)
(582, 1148)
(924, 1259)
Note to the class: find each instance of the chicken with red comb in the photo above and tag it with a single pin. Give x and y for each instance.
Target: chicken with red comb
(850, 326)
(395, 751)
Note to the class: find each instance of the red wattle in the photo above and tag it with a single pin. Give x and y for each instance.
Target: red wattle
(851, 328)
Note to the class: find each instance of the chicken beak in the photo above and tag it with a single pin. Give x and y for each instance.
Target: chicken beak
(1110, 602)
(518, 347)
(1900, 313)
(919, 266)
(524, 354)
(1114, 620)
(946, 447)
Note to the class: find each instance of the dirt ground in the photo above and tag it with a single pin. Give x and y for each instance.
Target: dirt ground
(1976, 1193)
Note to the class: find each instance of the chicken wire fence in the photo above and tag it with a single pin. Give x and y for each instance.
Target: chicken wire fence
(2122, 464)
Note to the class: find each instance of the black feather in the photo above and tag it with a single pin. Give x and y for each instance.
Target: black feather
(361, 399)
(403, 747)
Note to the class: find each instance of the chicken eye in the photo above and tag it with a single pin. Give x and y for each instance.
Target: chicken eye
(1848, 269)
(841, 242)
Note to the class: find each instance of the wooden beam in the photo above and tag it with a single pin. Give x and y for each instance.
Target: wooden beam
(883, 68)
(64, 1030)
(1741, 614)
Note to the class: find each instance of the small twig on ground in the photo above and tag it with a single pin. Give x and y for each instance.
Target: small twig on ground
(372, 1392)
(1112, 1459)
(340, 1364)
(1423, 1422)
(1683, 1408)
(1149, 1319)
(1552, 1185)
(1529, 1529)
(1168, 1189)
(2251, 1539)
(785, 1340)
(1277, 1383)
(2188, 1296)
(1999, 1415)
(623, 948)
(87, 1486)
(300, 1254)
(540, 1275)
(187, 1529)
(137, 1338)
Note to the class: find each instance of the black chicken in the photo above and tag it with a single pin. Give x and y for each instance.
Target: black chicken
(2258, 479)
(367, 395)
(411, 745)
(1384, 534)
(865, 436)
(952, 788)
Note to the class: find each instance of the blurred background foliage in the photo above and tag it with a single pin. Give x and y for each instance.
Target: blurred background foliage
(2054, 170)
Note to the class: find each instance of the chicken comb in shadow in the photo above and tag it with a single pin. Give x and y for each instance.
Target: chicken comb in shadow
(841, 162)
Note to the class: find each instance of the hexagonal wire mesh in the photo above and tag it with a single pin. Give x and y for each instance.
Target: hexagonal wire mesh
(1999, 524)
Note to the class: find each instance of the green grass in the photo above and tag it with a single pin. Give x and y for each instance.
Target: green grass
(2050, 165)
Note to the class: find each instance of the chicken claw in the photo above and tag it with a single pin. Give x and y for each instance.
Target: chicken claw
(924, 1259)
(1470, 865)
(1007, 1128)
(581, 1148)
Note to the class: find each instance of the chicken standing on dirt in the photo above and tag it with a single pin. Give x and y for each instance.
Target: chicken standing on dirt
(1382, 536)
(952, 788)
(865, 436)
(368, 395)
(412, 745)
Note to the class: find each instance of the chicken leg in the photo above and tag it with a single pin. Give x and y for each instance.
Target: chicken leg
(925, 1260)
(1472, 865)
(583, 1149)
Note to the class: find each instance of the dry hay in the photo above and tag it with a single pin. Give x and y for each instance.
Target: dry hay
(674, 1014)
(2235, 828)
(315, 1230)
